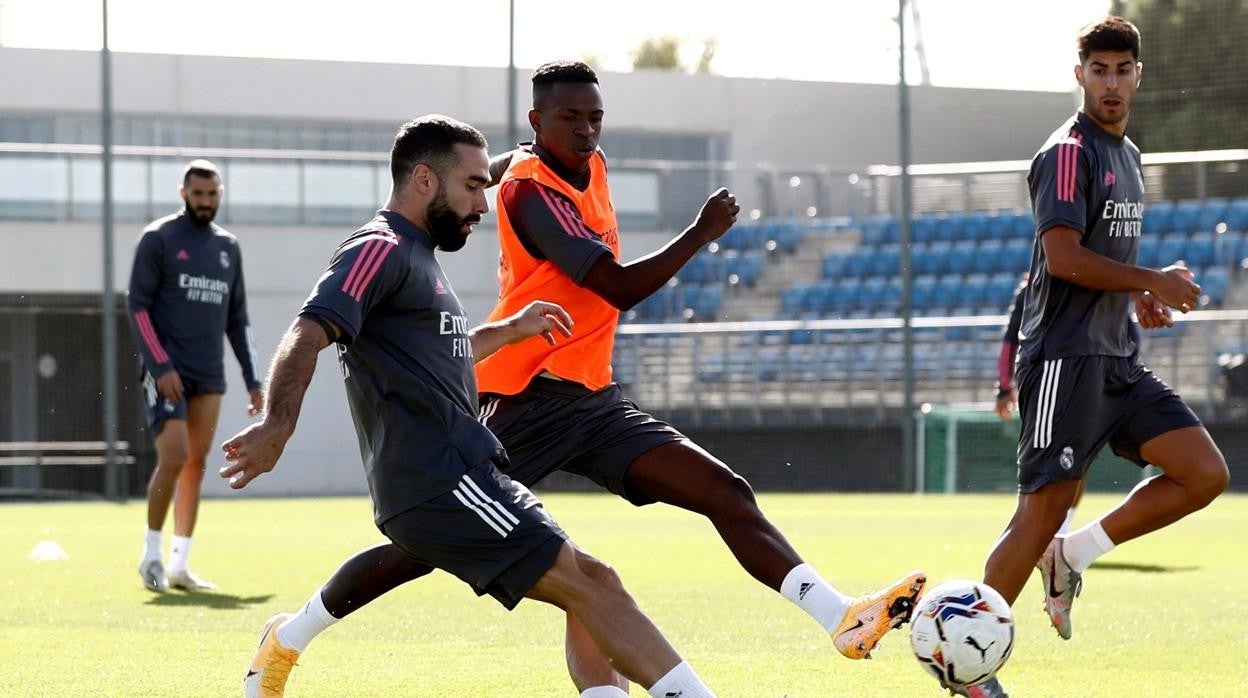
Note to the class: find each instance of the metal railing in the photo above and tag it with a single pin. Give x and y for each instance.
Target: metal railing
(851, 371)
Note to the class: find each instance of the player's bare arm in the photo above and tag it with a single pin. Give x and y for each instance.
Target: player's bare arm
(538, 318)
(624, 286)
(1071, 261)
(255, 450)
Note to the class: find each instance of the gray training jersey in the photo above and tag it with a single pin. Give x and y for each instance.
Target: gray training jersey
(407, 361)
(186, 292)
(1089, 180)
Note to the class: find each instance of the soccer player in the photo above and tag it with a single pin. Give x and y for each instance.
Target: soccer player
(556, 408)
(1081, 383)
(407, 355)
(186, 291)
(1007, 397)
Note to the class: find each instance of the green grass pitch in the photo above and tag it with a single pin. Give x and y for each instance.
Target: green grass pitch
(1162, 616)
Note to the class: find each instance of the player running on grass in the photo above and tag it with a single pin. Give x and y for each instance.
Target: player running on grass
(1081, 383)
(556, 408)
(433, 470)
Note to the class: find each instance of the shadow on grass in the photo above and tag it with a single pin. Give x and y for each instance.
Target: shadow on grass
(218, 601)
(1137, 567)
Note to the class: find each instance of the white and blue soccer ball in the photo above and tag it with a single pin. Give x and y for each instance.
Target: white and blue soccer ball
(962, 632)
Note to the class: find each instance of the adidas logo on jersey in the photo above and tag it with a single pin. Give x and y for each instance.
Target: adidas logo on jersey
(439, 288)
(1110, 178)
(183, 256)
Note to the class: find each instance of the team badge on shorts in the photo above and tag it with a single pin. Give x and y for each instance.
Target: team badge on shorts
(1067, 459)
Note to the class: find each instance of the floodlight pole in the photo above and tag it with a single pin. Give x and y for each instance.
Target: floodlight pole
(513, 132)
(108, 300)
(907, 279)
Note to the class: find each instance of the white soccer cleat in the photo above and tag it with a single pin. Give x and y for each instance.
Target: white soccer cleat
(153, 574)
(189, 581)
(1061, 585)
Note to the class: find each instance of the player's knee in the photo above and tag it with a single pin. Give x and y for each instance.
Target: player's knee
(1212, 481)
(171, 459)
(733, 497)
(596, 577)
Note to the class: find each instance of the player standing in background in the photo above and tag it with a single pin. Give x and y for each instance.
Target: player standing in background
(186, 291)
(433, 470)
(556, 407)
(1081, 383)
(1007, 397)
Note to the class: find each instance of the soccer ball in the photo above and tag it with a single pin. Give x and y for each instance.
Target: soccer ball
(962, 632)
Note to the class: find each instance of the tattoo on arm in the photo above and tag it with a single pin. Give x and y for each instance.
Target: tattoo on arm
(291, 372)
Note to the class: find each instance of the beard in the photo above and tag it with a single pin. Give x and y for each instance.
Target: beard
(445, 225)
(202, 216)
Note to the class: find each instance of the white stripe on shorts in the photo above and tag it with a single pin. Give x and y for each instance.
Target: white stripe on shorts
(488, 411)
(1047, 403)
(481, 496)
(488, 509)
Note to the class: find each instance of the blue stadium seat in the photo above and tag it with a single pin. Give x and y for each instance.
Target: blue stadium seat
(885, 262)
(1186, 216)
(704, 301)
(1173, 247)
(1214, 283)
(833, 266)
(974, 291)
(699, 269)
(792, 299)
(1158, 218)
(925, 228)
(1017, 256)
(924, 291)
(991, 255)
(1237, 215)
(951, 227)
(961, 259)
(978, 225)
(1150, 250)
(947, 291)
(1021, 225)
(1201, 250)
(1212, 213)
(923, 260)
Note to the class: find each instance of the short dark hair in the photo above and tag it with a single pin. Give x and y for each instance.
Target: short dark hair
(430, 140)
(548, 74)
(200, 168)
(1111, 33)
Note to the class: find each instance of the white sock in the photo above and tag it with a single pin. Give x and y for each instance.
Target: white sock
(297, 632)
(604, 692)
(179, 553)
(1070, 520)
(680, 682)
(1082, 547)
(804, 587)
(152, 545)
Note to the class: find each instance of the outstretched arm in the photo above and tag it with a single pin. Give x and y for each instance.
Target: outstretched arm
(626, 285)
(255, 450)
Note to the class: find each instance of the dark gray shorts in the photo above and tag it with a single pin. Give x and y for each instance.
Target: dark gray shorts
(1072, 407)
(159, 410)
(490, 531)
(559, 425)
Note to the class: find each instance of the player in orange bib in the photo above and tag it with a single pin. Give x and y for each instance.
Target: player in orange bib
(556, 408)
